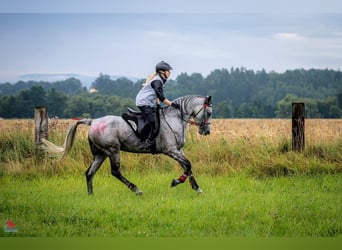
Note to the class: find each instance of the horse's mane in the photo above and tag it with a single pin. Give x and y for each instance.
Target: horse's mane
(186, 98)
(183, 101)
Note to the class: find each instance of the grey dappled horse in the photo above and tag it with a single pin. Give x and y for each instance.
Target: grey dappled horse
(110, 134)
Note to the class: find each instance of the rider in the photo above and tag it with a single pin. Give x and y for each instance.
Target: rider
(149, 97)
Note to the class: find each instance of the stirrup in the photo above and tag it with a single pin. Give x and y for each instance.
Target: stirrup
(147, 144)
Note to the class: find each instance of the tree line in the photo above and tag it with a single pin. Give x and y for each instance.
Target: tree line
(236, 92)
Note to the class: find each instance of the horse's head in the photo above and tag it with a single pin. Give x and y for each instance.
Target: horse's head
(202, 116)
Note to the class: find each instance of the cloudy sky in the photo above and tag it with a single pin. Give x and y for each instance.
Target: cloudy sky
(129, 38)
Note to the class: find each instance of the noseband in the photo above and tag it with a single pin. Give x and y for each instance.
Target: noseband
(204, 122)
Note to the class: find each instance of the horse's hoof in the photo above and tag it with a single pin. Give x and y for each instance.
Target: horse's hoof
(175, 182)
(199, 191)
(138, 193)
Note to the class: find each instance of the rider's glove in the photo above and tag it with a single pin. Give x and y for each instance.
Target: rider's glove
(175, 105)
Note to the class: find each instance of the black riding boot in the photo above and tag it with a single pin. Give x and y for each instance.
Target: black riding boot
(147, 135)
(149, 143)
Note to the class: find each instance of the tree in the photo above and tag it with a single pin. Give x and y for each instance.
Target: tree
(339, 100)
(56, 103)
(76, 106)
(244, 111)
(26, 100)
(335, 112)
(8, 107)
(69, 86)
(284, 106)
(222, 110)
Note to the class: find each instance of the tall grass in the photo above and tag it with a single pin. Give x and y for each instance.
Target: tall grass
(263, 153)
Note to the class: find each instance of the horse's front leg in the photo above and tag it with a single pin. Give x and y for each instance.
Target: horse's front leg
(194, 184)
(186, 165)
(192, 181)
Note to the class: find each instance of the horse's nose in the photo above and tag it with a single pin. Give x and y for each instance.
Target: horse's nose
(204, 131)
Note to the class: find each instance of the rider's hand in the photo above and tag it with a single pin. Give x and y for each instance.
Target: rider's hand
(175, 105)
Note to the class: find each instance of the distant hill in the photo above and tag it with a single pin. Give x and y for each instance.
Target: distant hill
(53, 77)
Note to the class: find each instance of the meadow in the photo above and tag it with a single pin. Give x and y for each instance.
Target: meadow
(253, 184)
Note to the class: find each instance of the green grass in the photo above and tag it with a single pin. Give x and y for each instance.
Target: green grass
(230, 206)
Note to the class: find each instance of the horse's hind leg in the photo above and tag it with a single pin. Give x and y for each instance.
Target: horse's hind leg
(186, 165)
(115, 169)
(94, 166)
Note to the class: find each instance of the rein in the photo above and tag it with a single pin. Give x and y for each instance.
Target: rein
(191, 122)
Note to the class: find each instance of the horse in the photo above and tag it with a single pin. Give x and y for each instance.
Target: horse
(108, 135)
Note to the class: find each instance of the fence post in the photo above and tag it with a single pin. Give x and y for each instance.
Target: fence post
(40, 124)
(298, 127)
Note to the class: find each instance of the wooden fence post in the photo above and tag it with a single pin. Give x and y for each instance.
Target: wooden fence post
(298, 127)
(40, 124)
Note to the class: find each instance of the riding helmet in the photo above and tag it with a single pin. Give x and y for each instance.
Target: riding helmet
(164, 66)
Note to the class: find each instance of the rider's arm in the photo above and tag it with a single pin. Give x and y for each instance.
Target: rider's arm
(158, 87)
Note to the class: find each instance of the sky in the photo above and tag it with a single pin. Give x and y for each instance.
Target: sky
(129, 37)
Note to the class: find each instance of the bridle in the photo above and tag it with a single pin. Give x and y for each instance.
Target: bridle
(205, 121)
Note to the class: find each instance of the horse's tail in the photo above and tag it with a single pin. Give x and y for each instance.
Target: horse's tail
(69, 139)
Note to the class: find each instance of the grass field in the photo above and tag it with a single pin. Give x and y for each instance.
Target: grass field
(231, 206)
(253, 185)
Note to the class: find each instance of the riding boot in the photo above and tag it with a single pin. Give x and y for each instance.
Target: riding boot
(152, 139)
(149, 142)
(153, 147)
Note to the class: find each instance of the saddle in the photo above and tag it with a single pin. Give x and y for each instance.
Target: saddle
(136, 121)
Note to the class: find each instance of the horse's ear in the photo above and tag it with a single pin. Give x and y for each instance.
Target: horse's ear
(208, 100)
